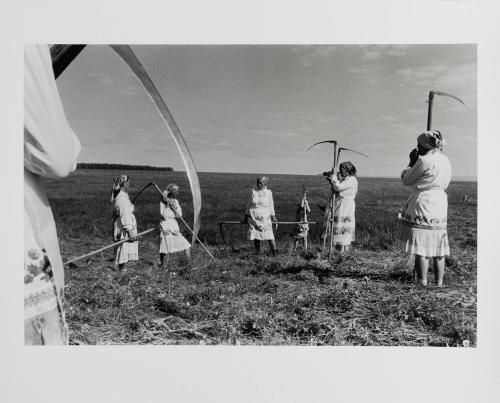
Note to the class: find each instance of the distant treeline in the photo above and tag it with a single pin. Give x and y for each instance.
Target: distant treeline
(99, 165)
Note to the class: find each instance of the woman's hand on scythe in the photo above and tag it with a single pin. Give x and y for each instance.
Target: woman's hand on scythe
(413, 157)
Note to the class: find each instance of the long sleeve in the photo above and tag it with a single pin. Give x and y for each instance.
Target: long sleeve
(410, 176)
(338, 186)
(271, 203)
(125, 209)
(50, 146)
(177, 208)
(250, 203)
(170, 212)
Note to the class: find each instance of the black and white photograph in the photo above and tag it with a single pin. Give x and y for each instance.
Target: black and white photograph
(250, 202)
(257, 194)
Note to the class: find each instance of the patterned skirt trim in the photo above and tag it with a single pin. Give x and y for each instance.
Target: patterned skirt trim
(424, 242)
(44, 321)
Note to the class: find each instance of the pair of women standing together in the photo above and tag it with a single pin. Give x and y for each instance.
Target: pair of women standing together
(260, 214)
(125, 225)
(423, 217)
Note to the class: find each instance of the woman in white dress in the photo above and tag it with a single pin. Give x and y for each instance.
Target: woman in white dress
(345, 187)
(423, 218)
(124, 223)
(171, 239)
(260, 216)
(50, 150)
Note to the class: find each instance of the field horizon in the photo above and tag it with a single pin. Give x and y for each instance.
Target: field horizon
(454, 179)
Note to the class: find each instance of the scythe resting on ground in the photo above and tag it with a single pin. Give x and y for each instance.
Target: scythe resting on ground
(63, 55)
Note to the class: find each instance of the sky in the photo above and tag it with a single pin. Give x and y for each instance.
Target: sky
(256, 108)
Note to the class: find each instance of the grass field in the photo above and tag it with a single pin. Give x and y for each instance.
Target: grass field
(366, 299)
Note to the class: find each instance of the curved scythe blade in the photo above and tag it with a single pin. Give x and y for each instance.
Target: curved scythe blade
(354, 151)
(321, 142)
(131, 60)
(449, 95)
(140, 191)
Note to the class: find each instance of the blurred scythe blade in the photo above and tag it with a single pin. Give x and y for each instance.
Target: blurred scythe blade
(131, 60)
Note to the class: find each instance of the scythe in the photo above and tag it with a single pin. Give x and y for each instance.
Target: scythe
(431, 103)
(330, 210)
(63, 55)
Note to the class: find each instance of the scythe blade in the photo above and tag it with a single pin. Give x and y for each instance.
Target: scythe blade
(140, 191)
(131, 60)
(354, 151)
(449, 95)
(321, 142)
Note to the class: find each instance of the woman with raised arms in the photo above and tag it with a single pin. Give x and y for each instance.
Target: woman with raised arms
(124, 223)
(345, 185)
(423, 218)
(171, 239)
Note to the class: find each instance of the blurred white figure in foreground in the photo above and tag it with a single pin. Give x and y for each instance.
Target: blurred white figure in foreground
(50, 149)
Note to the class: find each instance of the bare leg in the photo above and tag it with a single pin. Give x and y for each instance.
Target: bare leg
(421, 267)
(295, 245)
(439, 264)
(256, 244)
(162, 258)
(187, 253)
(272, 244)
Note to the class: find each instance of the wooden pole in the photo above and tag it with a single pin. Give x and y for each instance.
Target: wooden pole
(332, 213)
(429, 110)
(108, 246)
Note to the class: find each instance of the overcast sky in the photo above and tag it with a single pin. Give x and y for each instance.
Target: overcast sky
(257, 108)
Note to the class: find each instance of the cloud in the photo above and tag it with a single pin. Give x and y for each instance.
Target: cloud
(369, 73)
(421, 72)
(459, 77)
(371, 53)
(312, 53)
(364, 69)
(459, 80)
(397, 50)
(375, 52)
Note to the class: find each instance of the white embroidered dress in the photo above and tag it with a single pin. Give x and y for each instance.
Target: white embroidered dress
(171, 239)
(50, 149)
(260, 209)
(423, 218)
(124, 221)
(344, 215)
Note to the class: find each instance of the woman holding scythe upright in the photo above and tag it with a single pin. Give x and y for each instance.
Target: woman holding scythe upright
(424, 215)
